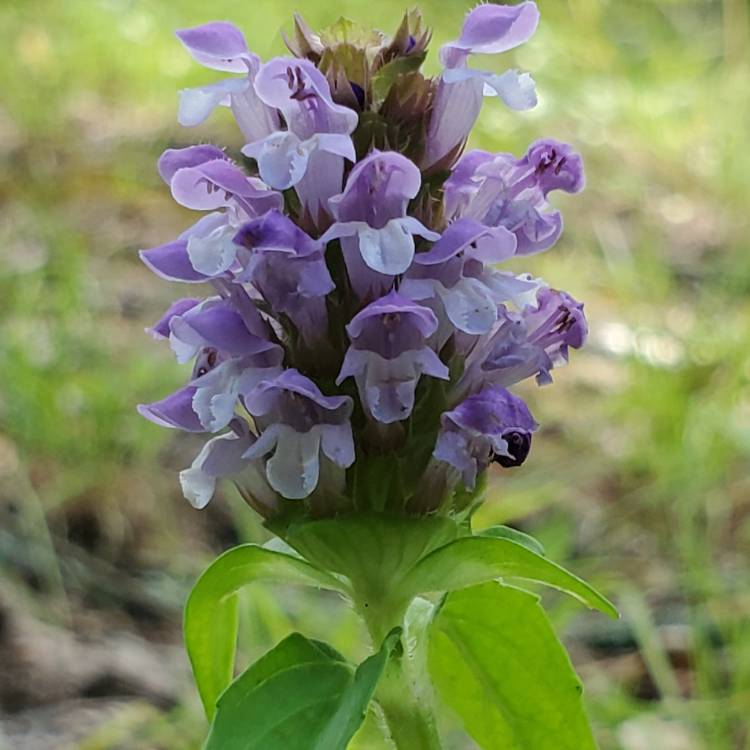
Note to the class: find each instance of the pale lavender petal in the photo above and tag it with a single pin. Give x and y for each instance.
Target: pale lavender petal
(378, 189)
(455, 109)
(160, 329)
(302, 93)
(294, 468)
(453, 447)
(355, 363)
(394, 304)
(282, 159)
(337, 443)
(214, 184)
(262, 400)
(265, 443)
(428, 363)
(470, 306)
(191, 156)
(388, 250)
(171, 262)
(506, 287)
(219, 45)
(516, 89)
(216, 395)
(414, 226)
(538, 232)
(256, 120)
(220, 456)
(214, 253)
(487, 244)
(366, 283)
(175, 411)
(220, 326)
(336, 143)
(322, 179)
(198, 103)
(491, 29)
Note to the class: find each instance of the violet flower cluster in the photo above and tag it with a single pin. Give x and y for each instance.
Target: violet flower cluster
(358, 315)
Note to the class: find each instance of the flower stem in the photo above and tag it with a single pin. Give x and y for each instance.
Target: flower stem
(403, 694)
(408, 715)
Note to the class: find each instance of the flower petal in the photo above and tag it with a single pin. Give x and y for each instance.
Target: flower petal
(337, 443)
(175, 411)
(491, 29)
(389, 250)
(219, 45)
(198, 103)
(470, 306)
(294, 468)
(179, 158)
(213, 254)
(171, 262)
(282, 159)
(160, 329)
(220, 456)
(516, 89)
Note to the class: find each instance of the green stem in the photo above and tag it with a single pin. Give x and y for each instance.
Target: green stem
(401, 694)
(407, 713)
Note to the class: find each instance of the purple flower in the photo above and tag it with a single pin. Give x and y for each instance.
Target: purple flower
(296, 423)
(377, 235)
(229, 361)
(289, 271)
(528, 343)
(202, 178)
(222, 456)
(310, 154)
(160, 329)
(499, 190)
(415, 294)
(454, 271)
(492, 425)
(488, 29)
(221, 46)
(388, 355)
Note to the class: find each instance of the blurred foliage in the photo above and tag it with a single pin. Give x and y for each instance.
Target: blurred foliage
(639, 479)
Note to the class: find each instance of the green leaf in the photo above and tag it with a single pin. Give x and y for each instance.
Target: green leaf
(472, 560)
(210, 623)
(374, 550)
(495, 660)
(300, 696)
(508, 532)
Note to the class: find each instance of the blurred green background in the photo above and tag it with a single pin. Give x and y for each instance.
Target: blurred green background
(639, 479)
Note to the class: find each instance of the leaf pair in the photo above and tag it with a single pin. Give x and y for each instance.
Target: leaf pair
(301, 695)
(493, 655)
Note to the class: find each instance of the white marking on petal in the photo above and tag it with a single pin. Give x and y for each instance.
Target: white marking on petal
(516, 89)
(470, 306)
(389, 250)
(294, 468)
(214, 253)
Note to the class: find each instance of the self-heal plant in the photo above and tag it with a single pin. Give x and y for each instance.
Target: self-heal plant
(351, 369)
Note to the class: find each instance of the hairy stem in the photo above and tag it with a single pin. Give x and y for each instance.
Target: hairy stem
(402, 693)
(408, 715)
